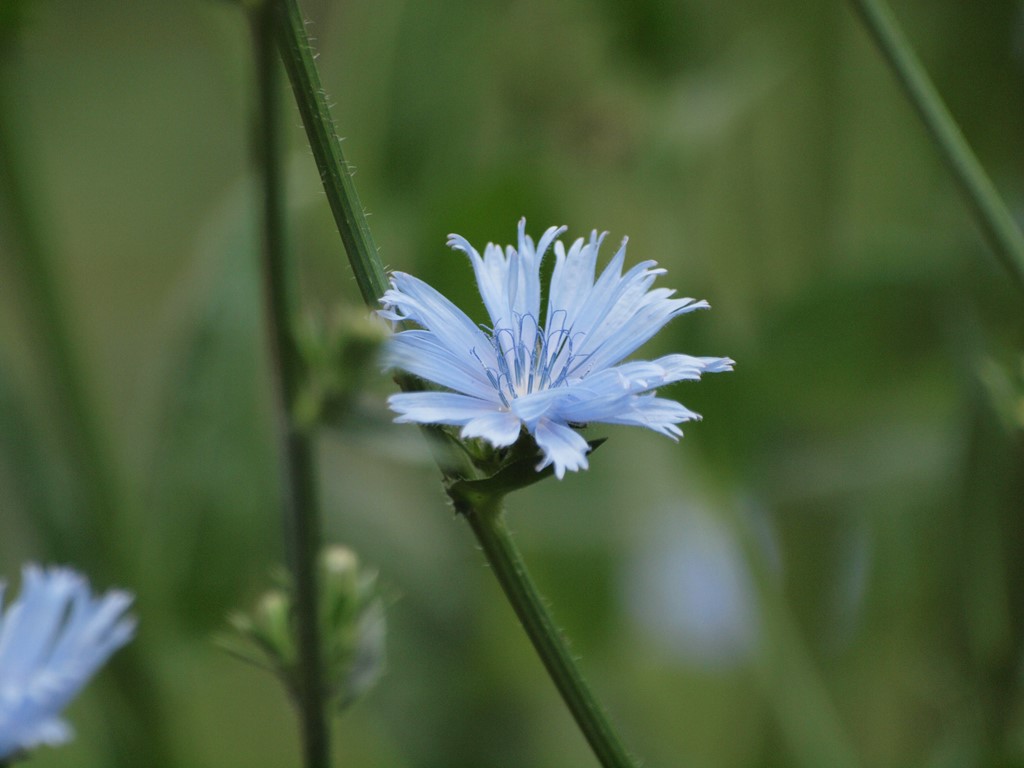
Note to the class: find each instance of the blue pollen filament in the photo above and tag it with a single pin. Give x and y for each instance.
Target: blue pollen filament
(529, 358)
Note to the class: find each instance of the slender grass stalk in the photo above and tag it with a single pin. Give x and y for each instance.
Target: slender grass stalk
(998, 225)
(488, 524)
(794, 688)
(95, 534)
(789, 677)
(101, 503)
(330, 160)
(299, 502)
(482, 514)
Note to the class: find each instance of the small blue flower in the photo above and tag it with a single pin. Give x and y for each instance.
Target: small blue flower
(542, 376)
(53, 638)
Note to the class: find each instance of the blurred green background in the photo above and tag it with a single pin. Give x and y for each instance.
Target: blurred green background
(826, 571)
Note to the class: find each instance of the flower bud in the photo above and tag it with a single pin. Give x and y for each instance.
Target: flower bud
(352, 629)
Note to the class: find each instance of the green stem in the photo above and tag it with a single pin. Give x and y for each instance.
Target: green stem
(487, 522)
(999, 227)
(330, 160)
(299, 503)
(484, 515)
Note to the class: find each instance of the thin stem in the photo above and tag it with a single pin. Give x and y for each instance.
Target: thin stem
(483, 514)
(330, 160)
(299, 503)
(487, 522)
(789, 678)
(999, 227)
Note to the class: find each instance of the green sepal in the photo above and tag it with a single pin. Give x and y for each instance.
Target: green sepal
(476, 474)
(516, 468)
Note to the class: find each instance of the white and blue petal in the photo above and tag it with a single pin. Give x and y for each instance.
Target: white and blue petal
(439, 407)
(642, 375)
(530, 258)
(531, 408)
(421, 353)
(562, 446)
(572, 280)
(520, 374)
(585, 315)
(499, 428)
(491, 276)
(657, 413)
(641, 325)
(412, 299)
(53, 638)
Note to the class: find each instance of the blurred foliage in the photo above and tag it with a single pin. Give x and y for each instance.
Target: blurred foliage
(829, 570)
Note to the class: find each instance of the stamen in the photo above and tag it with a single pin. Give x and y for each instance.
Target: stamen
(529, 358)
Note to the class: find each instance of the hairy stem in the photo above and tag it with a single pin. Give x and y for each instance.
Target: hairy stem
(299, 502)
(487, 522)
(323, 139)
(483, 514)
(999, 227)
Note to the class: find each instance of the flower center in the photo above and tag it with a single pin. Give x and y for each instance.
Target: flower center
(530, 358)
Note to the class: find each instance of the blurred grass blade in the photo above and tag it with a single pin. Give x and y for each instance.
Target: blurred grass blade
(31, 470)
(210, 497)
(999, 227)
(100, 509)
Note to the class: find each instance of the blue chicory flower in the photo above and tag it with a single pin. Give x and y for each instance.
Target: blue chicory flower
(53, 638)
(544, 377)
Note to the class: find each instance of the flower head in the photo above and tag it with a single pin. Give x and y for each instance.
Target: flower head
(542, 372)
(53, 638)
